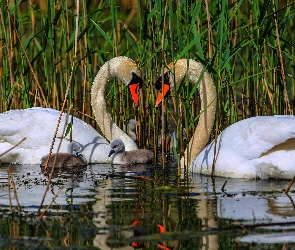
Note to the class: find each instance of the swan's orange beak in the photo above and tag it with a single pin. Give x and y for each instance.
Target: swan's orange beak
(134, 92)
(160, 97)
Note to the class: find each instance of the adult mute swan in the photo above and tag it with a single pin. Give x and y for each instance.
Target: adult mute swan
(258, 147)
(139, 156)
(38, 124)
(70, 159)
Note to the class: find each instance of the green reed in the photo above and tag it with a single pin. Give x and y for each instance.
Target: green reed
(248, 47)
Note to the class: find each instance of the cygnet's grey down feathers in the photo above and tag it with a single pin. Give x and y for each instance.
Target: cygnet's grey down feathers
(70, 159)
(130, 129)
(138, 156)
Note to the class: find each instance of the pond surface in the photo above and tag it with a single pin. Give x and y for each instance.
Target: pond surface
(140, 207)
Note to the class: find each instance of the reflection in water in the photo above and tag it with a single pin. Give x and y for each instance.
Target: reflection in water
(251, 201)
(102, 220)
(260, 203)
(105, 207)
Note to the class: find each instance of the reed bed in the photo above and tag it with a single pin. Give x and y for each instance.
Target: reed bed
(247, 46)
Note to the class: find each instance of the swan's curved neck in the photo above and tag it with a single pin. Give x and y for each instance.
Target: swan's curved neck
(207, 91)
(103, 118)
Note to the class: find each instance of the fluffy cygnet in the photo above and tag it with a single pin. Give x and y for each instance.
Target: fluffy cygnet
(70, 159)
(130, 129)
(129, 157)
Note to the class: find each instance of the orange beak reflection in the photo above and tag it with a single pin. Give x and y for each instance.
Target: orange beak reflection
(160, 97)
(134, 93)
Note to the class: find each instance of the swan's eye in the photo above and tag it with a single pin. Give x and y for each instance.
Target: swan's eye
(158, 83)
(136, 79)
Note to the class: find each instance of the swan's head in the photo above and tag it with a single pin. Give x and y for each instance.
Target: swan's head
(127, 70)
(165, 83)
(117, 146)
(173, 75)
(134, 85)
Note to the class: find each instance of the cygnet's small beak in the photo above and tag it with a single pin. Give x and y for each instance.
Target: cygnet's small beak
(79, 155)
(161, 96)
(134, 87)
(111, 152)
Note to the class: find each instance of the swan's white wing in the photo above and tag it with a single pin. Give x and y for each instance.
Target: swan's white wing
(245, 144)
(257, 135)
(38, 126)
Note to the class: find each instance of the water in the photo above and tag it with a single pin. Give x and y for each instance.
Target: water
(140, 207)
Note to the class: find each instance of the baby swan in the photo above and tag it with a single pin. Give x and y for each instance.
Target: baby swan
(139, 156)
(70, 159)
(130, 129)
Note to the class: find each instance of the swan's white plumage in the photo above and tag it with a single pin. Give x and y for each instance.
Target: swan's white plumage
(123, 68)
(38, 126)
(262, 147)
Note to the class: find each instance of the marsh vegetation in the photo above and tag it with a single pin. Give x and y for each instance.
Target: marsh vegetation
(247, 47)
(50, 52)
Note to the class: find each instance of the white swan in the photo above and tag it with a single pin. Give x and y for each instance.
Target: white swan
(38, 124)
(70, 159)
(139, 156)
(258, 147)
